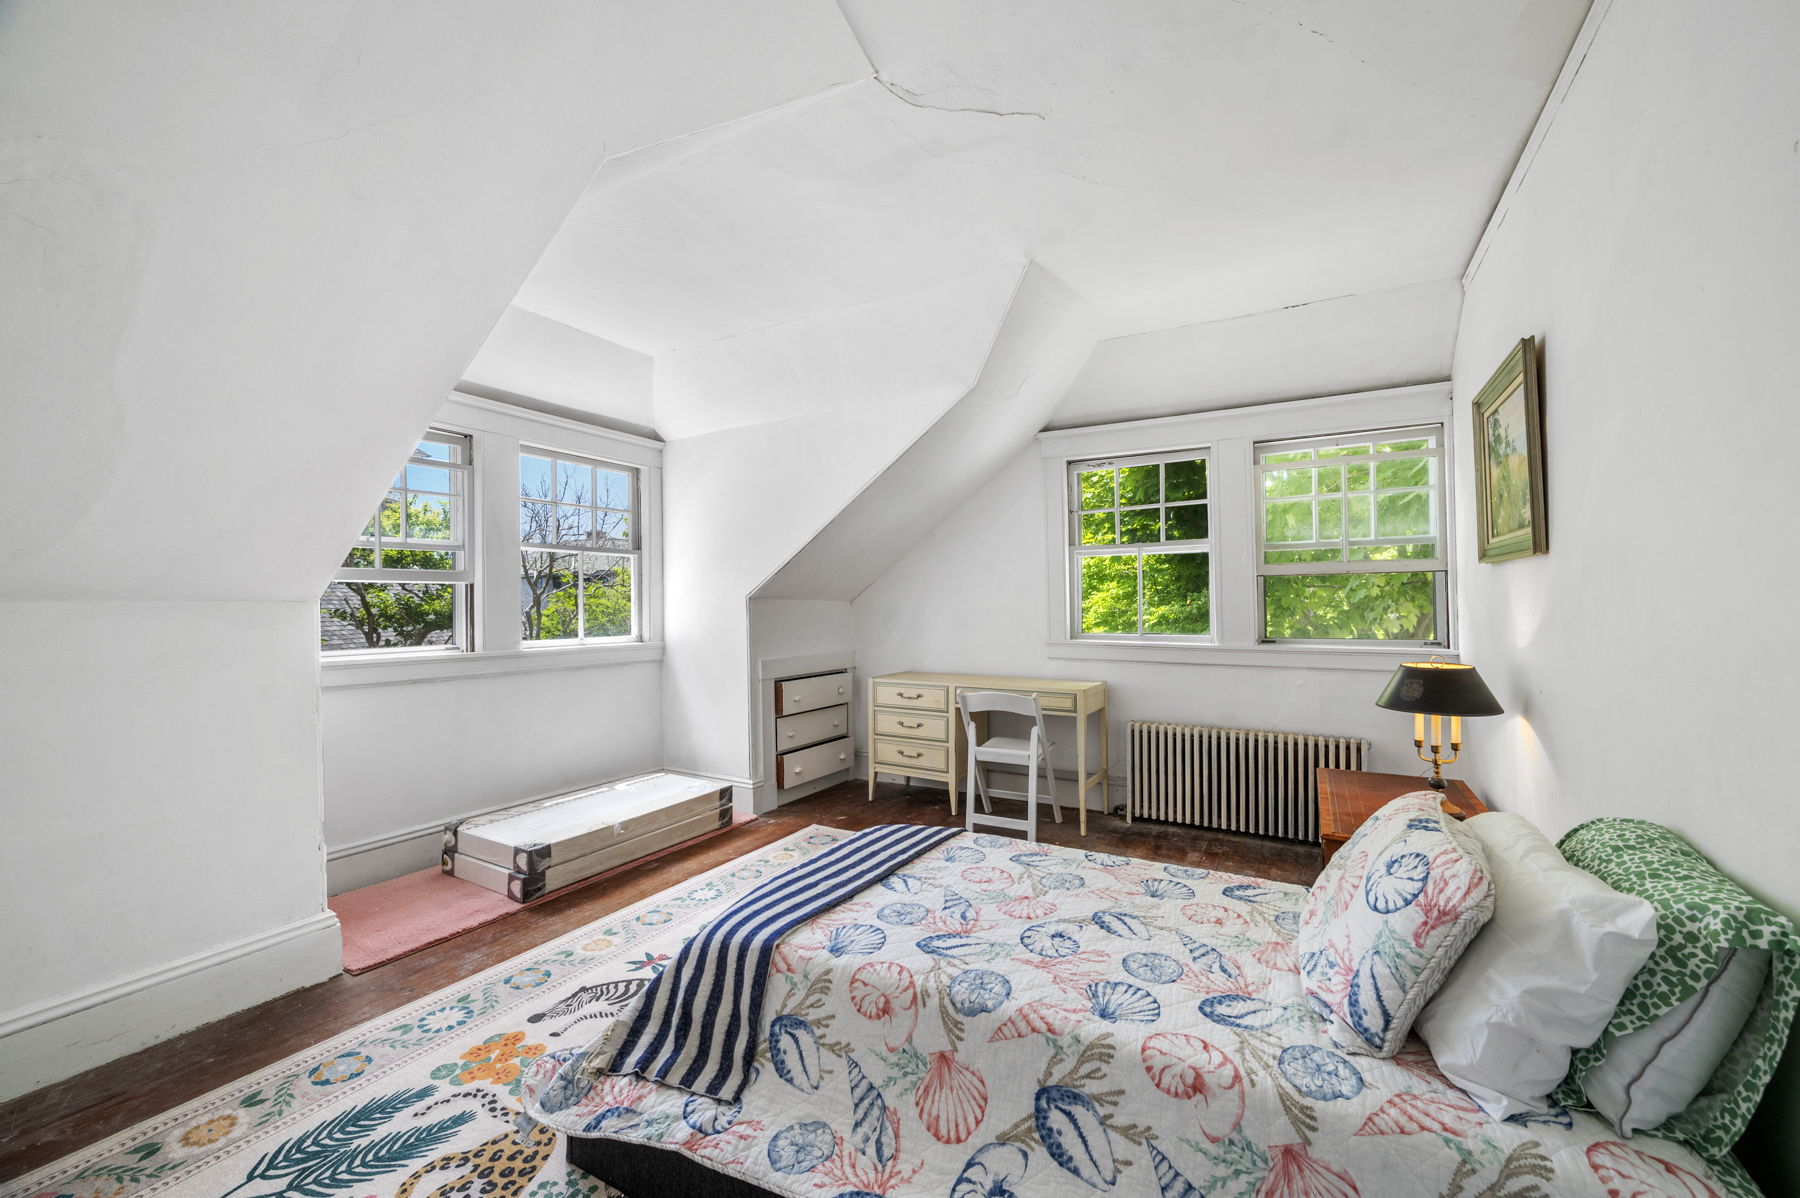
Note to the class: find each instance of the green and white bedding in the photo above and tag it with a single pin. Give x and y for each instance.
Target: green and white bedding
(997, 1019)
(1700, 915)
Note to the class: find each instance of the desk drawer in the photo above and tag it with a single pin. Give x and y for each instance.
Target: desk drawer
(795, 695)
(820, 761)
(1049, 701)
(920, 726)
(811, 727)
(922, 696)
(906, 756)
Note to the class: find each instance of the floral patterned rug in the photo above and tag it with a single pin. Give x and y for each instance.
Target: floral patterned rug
(425, 1100)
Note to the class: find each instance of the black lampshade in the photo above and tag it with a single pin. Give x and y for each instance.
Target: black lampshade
(1438, 688)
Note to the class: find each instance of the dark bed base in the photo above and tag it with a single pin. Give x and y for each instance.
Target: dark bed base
(640, 1171)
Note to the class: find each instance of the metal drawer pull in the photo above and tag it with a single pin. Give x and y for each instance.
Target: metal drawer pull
(904, 753)
(904, 695)
(914, 724)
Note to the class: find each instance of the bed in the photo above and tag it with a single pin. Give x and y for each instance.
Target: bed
(994, 1018)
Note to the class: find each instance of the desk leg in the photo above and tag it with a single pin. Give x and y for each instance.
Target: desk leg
(1081, 772)
(1106, 770)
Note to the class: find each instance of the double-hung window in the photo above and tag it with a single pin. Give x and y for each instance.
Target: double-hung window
(578, 548)
(1248, 536)
(509, 540)
(1351, 537)
(404, 584)
(1140, 539)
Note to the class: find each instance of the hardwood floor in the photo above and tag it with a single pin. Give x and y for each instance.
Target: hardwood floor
(40, 1127)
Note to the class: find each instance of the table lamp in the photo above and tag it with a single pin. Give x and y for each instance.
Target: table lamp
(1438, 688)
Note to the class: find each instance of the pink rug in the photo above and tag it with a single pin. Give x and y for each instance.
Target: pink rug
(391, 919)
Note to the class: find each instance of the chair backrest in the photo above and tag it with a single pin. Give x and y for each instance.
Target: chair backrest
(972, 702)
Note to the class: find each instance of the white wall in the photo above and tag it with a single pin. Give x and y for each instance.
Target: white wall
(1646, 663)
(532, 356)
(971, 598)
(736, 505)
(742, 498)
(403, 759)
(1388, 338)
(246, 252)
(161, 790)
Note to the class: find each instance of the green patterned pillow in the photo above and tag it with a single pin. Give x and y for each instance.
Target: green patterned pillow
(1700, 913)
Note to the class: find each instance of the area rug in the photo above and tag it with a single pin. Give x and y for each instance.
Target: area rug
(424, 1100)
(398, 917)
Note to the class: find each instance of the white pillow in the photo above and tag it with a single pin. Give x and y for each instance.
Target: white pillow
(1652, 1074)
(1541, 979)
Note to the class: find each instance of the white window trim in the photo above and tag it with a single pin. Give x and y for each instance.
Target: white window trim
(1230, 436)
(498, 432)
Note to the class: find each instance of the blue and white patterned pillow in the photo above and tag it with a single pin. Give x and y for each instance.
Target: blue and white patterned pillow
(1387, 920)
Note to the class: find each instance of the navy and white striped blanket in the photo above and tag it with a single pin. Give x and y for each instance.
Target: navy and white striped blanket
(698, 1024)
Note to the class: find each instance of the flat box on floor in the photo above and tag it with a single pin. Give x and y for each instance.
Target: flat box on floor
(532, 849)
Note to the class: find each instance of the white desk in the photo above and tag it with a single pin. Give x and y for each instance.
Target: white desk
(915, 730)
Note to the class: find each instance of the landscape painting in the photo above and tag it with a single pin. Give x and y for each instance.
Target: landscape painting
(1509, 459)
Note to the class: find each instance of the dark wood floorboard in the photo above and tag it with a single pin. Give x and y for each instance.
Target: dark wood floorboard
(40, 1127)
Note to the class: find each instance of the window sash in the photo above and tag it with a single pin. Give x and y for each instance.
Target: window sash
(636, 631)
(630, 544)
(1078, 552)
(629, 547)
(1434, 452)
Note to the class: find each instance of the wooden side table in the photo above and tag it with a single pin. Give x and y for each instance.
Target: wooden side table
(1348, 797)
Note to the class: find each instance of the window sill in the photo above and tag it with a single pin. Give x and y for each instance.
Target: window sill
(376, 669)
(1374, 659)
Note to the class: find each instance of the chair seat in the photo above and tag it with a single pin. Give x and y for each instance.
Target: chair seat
(1013, 750)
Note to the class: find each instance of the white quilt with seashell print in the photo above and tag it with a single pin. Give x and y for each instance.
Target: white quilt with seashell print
(1000, 1019)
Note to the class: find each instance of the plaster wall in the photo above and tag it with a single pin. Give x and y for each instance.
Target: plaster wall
(737, 504)
(1390, 338)
(527, 355)
(162, 781)
(838, 397)
(247, 251)
(1644, 662)
(970, 598)
(401, 760)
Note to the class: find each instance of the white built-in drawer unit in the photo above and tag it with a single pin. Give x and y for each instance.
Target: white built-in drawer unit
(811, 727)
(795, 695)
(803, 765)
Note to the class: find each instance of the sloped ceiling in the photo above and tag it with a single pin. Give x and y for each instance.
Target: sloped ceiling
(247, 249)
(1173, 161)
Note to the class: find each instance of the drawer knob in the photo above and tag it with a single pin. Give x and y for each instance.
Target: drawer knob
(798, 770)
(841, 757)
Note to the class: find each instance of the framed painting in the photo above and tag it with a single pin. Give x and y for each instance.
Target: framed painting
(1509, 460)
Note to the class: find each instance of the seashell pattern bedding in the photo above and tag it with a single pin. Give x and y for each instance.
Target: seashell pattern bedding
(999, 1019)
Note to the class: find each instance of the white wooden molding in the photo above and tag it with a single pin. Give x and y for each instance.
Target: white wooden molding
(53, 1040)
(58, 1008)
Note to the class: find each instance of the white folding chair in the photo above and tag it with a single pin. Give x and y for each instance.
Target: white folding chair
(1029, 751)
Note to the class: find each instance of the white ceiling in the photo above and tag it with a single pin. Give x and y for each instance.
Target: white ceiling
(1173, 161)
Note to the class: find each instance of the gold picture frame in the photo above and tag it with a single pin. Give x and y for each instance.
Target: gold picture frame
(1510, 515)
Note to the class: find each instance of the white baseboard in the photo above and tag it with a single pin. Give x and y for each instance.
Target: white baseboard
(54, 1040)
